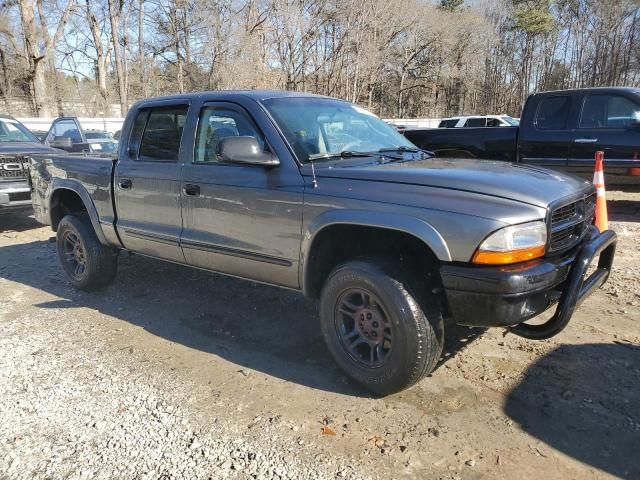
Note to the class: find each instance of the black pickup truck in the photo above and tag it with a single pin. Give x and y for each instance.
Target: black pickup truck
(561, 130)
(318, 195)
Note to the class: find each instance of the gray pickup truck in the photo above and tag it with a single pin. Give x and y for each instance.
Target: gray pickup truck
(318, 195)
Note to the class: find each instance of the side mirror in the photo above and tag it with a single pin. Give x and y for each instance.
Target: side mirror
(245, 150)
(61, 142)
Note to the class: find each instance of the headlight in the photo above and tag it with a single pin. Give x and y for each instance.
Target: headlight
(516, 243)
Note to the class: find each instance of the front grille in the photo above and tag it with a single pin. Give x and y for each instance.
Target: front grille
(569, 222)
(564, 213)
(13, 168)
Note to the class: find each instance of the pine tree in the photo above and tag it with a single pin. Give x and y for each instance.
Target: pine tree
(451, 5)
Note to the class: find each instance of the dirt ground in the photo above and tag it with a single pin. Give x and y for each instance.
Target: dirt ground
(177, 373)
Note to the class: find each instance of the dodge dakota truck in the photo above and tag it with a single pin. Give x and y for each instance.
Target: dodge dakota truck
(560, 130)
(318, 195)
(16, 142)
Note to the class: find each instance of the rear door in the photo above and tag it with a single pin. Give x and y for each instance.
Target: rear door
(243, 220)
(607, 123)
(544, 134)
(147, 183)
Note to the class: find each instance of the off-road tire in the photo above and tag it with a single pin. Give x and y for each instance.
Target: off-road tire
(100, 261)
(414, 312)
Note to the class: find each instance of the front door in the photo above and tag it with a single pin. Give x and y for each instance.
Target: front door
(147, 184)
(546, 143)
(243, 220)
(607, 123)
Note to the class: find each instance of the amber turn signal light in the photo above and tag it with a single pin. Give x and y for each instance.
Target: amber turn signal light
(484, 257)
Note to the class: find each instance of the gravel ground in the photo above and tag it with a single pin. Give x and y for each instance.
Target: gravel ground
(176, 373)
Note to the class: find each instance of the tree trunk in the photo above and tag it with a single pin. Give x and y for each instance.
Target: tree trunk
(35, 76)
(36, 58)
(141, 60)
(101, 57)
(115, 11)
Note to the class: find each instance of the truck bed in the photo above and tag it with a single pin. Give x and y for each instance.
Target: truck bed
(91, 174)
(495, 143)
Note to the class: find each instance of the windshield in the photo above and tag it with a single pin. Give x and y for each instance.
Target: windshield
(322, 127)
(511, 121)
(98, 135)
(14, 131)
(107, 147)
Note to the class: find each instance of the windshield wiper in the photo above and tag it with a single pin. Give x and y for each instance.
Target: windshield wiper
(402, 149)
(343, 154)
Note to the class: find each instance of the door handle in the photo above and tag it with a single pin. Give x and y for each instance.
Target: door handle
(585, 140)
(125, 183)
(191, 189)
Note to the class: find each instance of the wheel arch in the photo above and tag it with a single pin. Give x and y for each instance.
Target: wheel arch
(68, 196)
(384, 227)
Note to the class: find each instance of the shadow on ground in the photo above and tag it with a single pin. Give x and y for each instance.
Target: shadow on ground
(584, 400)
(18, 221)
(624, 210)
(263, 328)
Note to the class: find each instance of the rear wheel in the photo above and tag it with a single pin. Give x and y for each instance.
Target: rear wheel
(384, 330)
(89, 264)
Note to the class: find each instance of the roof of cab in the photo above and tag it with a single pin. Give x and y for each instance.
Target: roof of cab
(593, 90)
(257, 95)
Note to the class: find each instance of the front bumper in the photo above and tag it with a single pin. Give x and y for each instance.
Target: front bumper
(15, 195)
(510, 295)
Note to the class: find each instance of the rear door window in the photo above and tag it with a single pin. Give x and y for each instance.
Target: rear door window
(608, 111)
(162, 133)
(552, 113)
(448, 123)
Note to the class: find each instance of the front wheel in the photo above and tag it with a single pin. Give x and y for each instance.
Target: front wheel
(89, 264)
(383, 334)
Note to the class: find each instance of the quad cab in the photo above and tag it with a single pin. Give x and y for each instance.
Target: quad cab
(318, 195)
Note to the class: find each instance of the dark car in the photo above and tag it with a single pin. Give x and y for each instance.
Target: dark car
(318, 195)
(66, 133)
(560, 130)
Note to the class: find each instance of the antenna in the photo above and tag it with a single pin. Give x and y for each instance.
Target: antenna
(313, 174)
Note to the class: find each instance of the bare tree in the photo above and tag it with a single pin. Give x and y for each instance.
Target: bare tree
(115, 13)
(38, 56)
(401, 58)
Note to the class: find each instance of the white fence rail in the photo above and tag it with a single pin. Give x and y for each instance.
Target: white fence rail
(415, 122)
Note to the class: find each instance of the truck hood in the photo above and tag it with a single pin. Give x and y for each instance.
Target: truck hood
(523, 183)
(24, 148)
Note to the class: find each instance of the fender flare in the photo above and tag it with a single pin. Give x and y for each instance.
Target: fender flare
(416, 227)
(77, 187)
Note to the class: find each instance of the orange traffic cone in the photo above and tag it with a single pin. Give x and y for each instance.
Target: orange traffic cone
(634, 171)
(602, 220)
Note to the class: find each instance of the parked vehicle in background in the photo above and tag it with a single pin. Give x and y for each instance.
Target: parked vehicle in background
(40, 134)
(100, 135)
(478, 121)
(16, 143)
(560, 130)
(397, 127)
(318, 195)
(66, 133)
